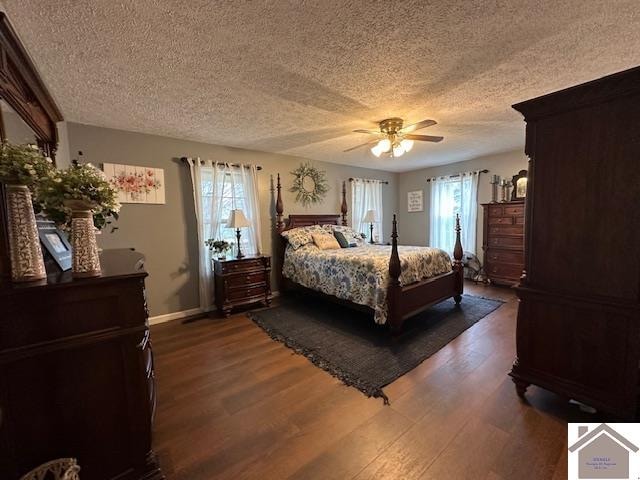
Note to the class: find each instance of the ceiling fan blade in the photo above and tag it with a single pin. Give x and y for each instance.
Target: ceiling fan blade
(423, 138)
(372, 132)
(360, 146)
(418, 126)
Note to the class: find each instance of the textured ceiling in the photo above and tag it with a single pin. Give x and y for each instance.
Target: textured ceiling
(297, 76)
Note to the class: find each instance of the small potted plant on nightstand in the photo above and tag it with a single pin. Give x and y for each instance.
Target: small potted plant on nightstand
(219, 247)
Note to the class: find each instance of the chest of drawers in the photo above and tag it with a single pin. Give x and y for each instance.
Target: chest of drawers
(242, 281)
(503, 242)
(77, 373)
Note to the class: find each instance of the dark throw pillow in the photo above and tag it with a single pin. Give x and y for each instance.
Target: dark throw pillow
(342, 240)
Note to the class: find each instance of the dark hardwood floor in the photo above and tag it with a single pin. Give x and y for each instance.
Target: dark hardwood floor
(232, 403)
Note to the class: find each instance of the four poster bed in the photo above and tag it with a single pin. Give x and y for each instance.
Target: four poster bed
(411, 280)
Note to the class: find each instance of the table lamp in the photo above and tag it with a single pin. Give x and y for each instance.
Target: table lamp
(237, 220)
(370, 218)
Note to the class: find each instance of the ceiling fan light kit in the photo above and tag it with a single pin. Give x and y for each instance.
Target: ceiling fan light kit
(396, 140)
(406, 144)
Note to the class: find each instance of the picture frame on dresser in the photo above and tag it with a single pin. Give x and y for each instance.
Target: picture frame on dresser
(55, 243)
(519, 185)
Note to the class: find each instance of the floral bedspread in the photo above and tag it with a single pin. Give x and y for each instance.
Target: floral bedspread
(361, 274)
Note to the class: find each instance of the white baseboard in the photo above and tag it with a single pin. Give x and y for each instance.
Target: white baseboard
(168, 317)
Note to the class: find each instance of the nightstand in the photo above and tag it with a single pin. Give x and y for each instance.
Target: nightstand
(242, 281)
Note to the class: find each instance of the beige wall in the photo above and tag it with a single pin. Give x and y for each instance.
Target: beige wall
(414, 227)
(166, 234)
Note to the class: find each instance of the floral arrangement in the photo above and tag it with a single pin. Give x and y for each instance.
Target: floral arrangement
(24, 165)
(319, 189)
(79, 182)
(218, 246)
(135, 184)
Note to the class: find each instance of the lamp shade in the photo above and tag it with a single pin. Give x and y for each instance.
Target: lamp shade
(237, 219)
(370, 217)
(384, 145)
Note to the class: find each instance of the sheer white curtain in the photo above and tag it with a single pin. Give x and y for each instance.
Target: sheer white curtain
(366, 195)
(451, 196)
(217, 189)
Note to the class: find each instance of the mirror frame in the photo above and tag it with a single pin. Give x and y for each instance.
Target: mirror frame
(23, 89)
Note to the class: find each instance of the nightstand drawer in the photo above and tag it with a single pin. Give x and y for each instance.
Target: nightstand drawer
(241, 280)
(243, 265)
(241, 293)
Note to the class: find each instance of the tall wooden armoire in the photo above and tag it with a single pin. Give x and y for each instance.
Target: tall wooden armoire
(578, 331)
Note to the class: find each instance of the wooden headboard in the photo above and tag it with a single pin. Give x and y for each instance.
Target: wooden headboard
(296, 221)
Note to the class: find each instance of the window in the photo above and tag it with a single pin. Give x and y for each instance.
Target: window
(221, 193)
(451, 196)
(367, 195)
(217, 189)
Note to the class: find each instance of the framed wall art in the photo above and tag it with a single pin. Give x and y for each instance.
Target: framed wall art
(136, 184)
(415, 201)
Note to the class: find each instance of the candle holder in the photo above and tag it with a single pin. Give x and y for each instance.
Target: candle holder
(504, 185)
(495, 180)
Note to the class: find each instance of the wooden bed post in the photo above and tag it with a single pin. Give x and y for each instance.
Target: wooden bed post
(394, 317)
(458, 267)
(279, 246)
(343, 208)
(279, 208)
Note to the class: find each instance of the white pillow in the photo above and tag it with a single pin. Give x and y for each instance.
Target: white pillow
(297, 237)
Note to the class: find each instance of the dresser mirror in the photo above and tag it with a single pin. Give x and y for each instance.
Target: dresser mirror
(28, 114)
(13, 128)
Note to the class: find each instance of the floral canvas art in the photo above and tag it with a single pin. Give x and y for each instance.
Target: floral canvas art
(136, 184)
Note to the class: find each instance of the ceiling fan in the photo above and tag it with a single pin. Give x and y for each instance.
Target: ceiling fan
(394, 139)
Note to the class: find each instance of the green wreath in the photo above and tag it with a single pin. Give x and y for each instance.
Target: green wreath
(308, 193)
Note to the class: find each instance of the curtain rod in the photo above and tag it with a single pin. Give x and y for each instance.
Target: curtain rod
(258, 167)
(351, 179)
(457, 174)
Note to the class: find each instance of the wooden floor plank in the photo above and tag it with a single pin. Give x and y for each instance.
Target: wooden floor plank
(348, 455)
(471, 454)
